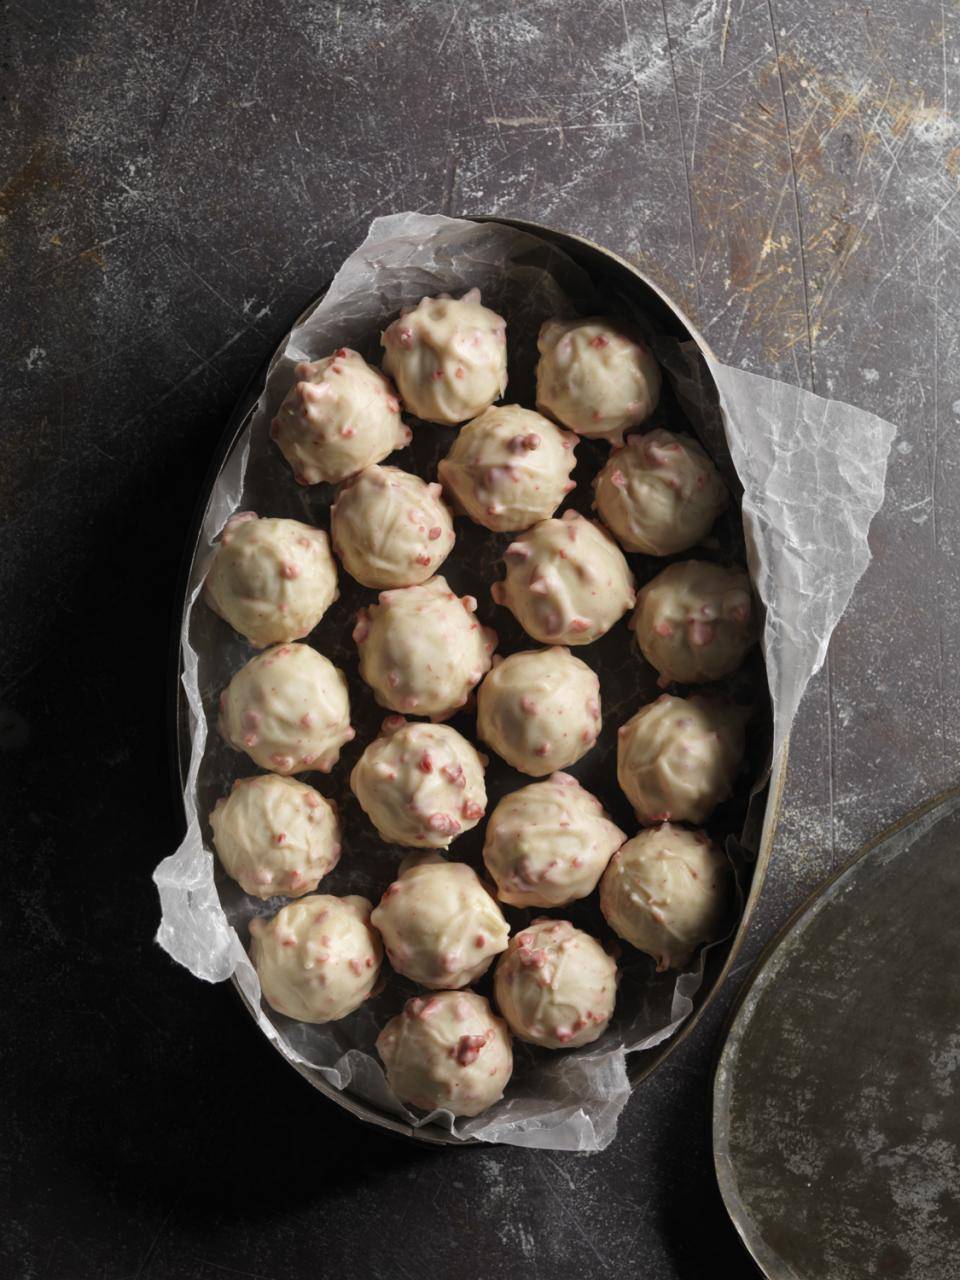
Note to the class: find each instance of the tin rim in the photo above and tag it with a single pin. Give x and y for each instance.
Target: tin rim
(647, 1061)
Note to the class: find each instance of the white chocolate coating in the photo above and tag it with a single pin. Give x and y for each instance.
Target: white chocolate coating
(420, 784)
(390, 529)
(549, 843)
(318, 959)
(288, 709)
(596, 377)
(448, 357)
(509, 468)
(276, 835)
(677, 758)
(440, 926)
(272, 580)
(540, 710)
(422, 649)
(567, 581)
(339, 417)
(665, 892)
(694, 621)
(448, 1051)
(556, 986)
(660, 493)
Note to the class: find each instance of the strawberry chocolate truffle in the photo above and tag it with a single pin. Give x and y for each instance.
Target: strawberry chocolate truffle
(549, 843)
(420, 784)
(288, 709)
(666, 892)
(694, 621)
(660, 493)
(275, 835)
(440, 926)
(567, 581)
(447, 1051)
(317, 959)
(556, 986)
(390, 528)
(540, 710)
(677, 757)
(509, 468)
(272, 580)
(422, 649)
(448, 357)
(339, 417)
(596, 377)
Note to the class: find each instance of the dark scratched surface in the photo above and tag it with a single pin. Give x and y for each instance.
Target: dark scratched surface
(177, 179)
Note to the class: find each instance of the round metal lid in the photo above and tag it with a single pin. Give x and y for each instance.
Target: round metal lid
(836, 1121)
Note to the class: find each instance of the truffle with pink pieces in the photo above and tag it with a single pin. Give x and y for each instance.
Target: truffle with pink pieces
(288, 709)
(509, 468)
(447, 1051)
(318, 959)
(275, 835)
(660, 493)
(567, 581)
(548, 844)
(695, 621)
(340, 416)
(540, 710)
(448, 357)
(666, 892)
(440, 925)
(390, 528)
(272, 580)
(421, 785)
(422, 649)
(556, 986)
(598, 377)
(677, 758)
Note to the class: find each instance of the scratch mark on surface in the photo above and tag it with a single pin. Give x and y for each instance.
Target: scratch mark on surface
(633, 68)
(725, 32)
(796, 198)
(486, 82)
(517, 122)
(683, 152)
(450, 25)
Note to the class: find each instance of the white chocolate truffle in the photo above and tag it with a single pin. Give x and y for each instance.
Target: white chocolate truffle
(276, 835)
(665, 892)
(447, 1051)
(556, 986)
(339, 417)
(422, 649)
(509, 468)
(318, 959)
(540, 710)
(448, 357)
(567, 581)
(549, 843)
(694, 621)
(288, 709)
(272, 580)
(660, 493)
(596, 377)
(677, 758)
(390, 529)
(420, 784)
(440, 926)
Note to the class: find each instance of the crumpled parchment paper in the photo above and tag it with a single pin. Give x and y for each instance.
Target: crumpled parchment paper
(812, 472)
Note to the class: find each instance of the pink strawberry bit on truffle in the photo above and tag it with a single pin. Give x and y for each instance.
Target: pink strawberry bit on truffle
(426, 763)
(443, 823)
(471, 810)
(600, 342)
(434, 534)
(468, 1048)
